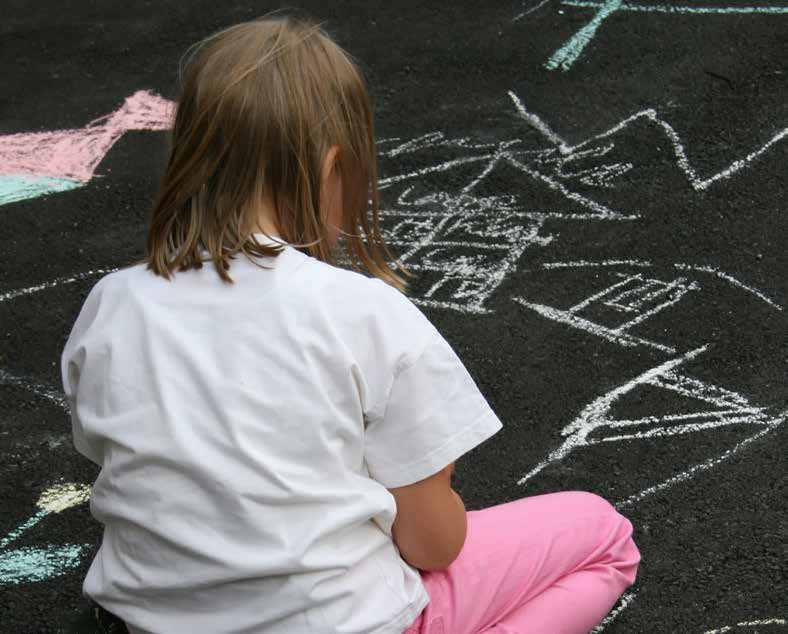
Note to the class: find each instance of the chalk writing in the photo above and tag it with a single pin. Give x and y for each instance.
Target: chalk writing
(36, 163)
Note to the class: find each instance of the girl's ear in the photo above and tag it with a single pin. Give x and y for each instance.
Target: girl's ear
(329, 163)
(331, 189)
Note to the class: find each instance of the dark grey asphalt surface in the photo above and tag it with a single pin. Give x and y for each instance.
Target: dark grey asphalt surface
(682, 206)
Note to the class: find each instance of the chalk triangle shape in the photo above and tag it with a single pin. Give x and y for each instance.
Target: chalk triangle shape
(676, 404)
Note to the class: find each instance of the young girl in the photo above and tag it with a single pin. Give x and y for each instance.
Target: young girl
(277, 434)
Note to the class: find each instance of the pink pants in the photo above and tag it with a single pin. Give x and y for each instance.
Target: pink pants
(545, 564)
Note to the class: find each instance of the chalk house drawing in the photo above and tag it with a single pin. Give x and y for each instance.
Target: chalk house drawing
(466, 243)
(571, 50)
(36, 163)
(613, 313)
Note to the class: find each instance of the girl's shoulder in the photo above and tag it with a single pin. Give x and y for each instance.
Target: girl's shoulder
(358, 299)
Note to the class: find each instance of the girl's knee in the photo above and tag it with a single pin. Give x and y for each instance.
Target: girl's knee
(588, 503)
(585, 502)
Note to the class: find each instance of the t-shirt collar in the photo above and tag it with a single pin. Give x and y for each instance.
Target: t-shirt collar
(272, 240)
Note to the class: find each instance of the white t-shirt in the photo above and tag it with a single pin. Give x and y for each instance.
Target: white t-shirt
(247, 435)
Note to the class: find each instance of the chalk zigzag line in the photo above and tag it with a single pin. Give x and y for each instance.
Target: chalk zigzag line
(698, 183)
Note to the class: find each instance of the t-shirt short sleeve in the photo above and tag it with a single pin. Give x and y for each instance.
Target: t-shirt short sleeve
(432, 414)
(77, 388)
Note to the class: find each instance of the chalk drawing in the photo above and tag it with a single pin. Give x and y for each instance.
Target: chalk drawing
(703, 466)
(640, 297)
(703, 405)
(743, 624)
(465, 245)
(624, 602)
(684, 267)
(567, 54)
(723, 407)
(24, 565)
(731, 280)
(36, 163)
(462, 283)
(698, 183)
(543, 165)
(421, 221)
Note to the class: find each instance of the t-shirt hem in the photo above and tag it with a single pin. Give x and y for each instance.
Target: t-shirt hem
(469, 438)
(405, 619)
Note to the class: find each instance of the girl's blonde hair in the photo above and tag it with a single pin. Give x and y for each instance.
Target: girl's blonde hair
(260, 105)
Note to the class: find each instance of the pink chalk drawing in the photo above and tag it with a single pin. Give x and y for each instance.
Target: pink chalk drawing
(36, 163)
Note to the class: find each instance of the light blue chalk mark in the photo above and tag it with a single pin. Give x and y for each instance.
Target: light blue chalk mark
(657, 8)
(26, 565)
(35, 519)
(569, 52)
(18, 187)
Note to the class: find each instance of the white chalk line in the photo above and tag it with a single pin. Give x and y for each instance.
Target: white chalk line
(571, 319)
(642, 295)
(51, 284)
(529, 11)
(58, 398)
(625, 601)
(597, 263)
(682, 161)
(646, 264)
(678, 430)
(649, 420)
(659, 307)
(728, 628)
(603, 293)
(731, 279)
(687, 386)
(602, 210)
(703, 466)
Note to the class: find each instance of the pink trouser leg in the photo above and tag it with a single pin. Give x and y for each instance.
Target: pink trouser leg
(546, 564)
